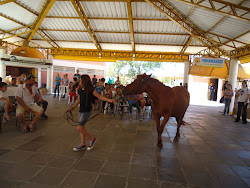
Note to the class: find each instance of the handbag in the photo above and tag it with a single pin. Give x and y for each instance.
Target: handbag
(222, 100)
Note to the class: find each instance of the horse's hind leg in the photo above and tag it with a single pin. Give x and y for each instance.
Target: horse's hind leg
(179, 122)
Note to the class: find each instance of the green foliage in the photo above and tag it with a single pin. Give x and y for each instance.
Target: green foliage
(164, 80)
(132, 68)
(115, 69)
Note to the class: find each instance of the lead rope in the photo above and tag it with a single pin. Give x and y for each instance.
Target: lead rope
(68, 116)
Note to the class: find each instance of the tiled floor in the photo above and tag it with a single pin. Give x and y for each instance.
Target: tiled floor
(213, 151)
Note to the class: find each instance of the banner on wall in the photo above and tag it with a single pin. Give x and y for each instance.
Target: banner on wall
(209, 62)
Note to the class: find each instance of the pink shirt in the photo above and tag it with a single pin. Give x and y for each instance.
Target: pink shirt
(228, 94)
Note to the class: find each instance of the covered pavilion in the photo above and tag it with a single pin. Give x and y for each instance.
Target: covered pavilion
(213, 150)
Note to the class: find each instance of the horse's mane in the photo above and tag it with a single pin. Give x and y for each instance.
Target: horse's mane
(155, 81)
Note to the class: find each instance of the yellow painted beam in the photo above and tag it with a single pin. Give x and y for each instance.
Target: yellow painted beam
(188, 42)
(39, 20)
(131, 27)
(244, 59)
(85, 22)
(240, 52)
(112, 55)
(2, 2)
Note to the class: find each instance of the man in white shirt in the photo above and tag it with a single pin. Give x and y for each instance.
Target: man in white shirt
(244, 95)
(117, 82)
(13, 83)
(26, 96)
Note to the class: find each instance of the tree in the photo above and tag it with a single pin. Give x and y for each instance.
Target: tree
(132, 68)
(115, 69)
(139, 67)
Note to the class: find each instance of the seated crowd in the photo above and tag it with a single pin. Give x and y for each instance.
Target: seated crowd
(25, 99)
(112, 91)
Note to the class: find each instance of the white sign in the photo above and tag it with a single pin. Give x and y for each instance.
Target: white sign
(209, 62)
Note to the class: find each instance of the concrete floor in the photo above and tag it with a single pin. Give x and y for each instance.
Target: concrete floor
(213, 151)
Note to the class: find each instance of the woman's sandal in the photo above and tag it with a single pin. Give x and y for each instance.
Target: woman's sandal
(32, 129)
(25, 130)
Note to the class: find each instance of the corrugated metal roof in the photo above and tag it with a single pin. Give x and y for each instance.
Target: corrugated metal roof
(245, 38)
(110, 25)
(105, 9)
(157, 26)
(204, 19)
(41, 43)
(183, 8)
(158, 48)
(62, 24)
(194, 49)
(161, 39)
(145, 10)
(7, 25)
(14, 40)
(80, 45)
(113, 37)
(231, 27)
(36, 36)
(62, 8)
(14, 10)
(215, 38)
(33, 5)
(246, 4)
(237, 44)
(196, 42)
(126, 47)
(76, 36)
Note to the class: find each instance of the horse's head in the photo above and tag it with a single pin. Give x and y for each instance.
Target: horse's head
(137, 86)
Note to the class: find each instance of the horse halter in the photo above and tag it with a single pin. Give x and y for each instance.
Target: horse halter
(141, 83)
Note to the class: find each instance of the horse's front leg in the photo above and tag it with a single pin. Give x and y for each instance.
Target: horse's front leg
(163, 123)
(158, 126)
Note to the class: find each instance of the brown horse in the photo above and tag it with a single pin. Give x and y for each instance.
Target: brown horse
(167, 102)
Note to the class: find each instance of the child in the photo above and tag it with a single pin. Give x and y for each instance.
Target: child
(86, 93)
(5, 104)
(99, 88)
(72, 91)
(108, 94)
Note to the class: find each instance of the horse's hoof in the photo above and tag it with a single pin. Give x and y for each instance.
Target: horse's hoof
(159, 144)
(176, 138)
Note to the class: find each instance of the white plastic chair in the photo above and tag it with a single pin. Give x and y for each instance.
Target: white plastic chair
(62, 91)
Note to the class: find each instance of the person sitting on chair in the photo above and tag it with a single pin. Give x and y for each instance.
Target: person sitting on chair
(5, 104)
(119, 97)
(72, 92)
(26, 95)
(133, 100)
(13, 83)
(108, 94)
(44, 103)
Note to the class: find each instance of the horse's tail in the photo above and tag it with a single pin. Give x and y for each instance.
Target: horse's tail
(184, 123)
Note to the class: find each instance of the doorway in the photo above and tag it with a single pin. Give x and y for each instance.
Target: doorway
(215, 84)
